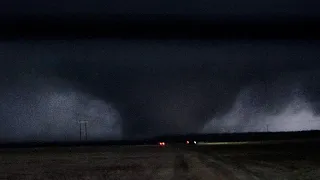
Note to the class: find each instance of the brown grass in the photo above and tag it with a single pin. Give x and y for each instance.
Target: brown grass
(80, 165)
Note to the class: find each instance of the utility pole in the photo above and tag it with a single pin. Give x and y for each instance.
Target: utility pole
(83, 134)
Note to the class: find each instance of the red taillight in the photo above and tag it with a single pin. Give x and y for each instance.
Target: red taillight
(188, 142)
(162, 143)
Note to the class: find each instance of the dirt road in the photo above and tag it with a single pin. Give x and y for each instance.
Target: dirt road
(259, 166)
(181, 168)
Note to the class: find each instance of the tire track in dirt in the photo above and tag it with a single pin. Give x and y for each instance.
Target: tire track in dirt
(181, 168)
(227, 169)
(247, 169)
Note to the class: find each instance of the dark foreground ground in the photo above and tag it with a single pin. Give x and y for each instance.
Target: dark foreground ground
(174, 162)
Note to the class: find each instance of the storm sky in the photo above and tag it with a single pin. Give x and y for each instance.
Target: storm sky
(186, 7)
(143, 88)
(140, 69)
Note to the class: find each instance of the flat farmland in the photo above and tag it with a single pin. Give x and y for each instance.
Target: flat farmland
(99, 163)
(178, 162)
(87, 163)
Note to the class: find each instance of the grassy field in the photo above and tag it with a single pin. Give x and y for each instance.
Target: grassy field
(98, 163)
(278, 161)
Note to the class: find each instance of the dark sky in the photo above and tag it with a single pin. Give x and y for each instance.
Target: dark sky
(186, 7)
(129, 85)
(141, 88)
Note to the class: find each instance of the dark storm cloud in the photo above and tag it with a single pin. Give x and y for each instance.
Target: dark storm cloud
(262, 107)
(215, 9)
(153, 87)
(49, 109)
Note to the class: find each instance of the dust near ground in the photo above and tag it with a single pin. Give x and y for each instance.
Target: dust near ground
(156, 163)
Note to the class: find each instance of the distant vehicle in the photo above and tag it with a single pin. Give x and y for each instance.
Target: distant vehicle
(191, 142)
(162, 144)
